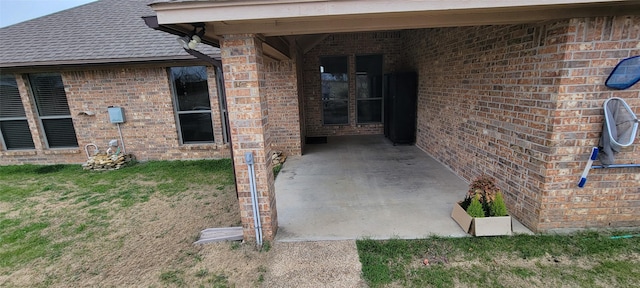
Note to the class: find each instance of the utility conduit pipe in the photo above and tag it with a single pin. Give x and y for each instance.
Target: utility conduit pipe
(248, 157)
(124, 151)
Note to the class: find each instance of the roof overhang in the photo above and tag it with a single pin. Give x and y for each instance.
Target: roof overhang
(297, 17)
(181, 30)
(76, 65)
(178, 29)
(274, 47)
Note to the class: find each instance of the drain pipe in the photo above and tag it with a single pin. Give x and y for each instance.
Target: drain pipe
(248, 157)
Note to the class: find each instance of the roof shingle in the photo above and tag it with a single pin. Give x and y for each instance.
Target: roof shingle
(99, 32)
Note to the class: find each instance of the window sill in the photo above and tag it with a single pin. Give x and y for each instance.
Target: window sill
(18, 152)
(208, 146)
(62, 151)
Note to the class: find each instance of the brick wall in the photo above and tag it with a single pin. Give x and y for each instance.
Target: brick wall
(297, 55)
(282, 93)
(351, 44)
(483, 108)
(250, 123)
(149, 131)
(523, 103)
(611, 198)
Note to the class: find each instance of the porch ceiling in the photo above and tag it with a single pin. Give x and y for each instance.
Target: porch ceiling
(297, 17)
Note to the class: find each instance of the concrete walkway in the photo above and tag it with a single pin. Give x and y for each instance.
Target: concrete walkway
(363, 186)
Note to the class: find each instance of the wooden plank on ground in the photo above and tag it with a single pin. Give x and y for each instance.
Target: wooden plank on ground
(210, 235)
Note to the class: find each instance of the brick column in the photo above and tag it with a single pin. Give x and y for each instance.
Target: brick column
(244, 78)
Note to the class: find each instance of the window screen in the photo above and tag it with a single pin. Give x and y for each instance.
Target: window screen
(192, 104)
(53, 110)
(14, 127)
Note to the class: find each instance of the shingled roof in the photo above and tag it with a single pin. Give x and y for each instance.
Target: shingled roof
(105, 31)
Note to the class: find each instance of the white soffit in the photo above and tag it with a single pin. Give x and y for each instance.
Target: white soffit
(295, 17)
(215, 11)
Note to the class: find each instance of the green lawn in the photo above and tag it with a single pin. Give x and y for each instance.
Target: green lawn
(586, 259)
(61, 224)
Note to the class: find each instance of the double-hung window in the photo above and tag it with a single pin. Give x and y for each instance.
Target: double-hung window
(53, 110)
(14, 128)
(369, 88)
(192, 104)
(334, 73)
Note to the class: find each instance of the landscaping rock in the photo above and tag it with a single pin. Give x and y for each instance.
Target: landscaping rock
(103, 161)
(277, 157)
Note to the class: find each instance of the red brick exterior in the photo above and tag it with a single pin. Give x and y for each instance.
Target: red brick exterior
(149, 131)
(297, 56)
(523, 103)
(250, 123)
(387, 43)
(284, 115)
(611, 198)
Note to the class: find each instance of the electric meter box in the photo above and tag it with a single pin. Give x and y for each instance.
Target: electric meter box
(116, 115)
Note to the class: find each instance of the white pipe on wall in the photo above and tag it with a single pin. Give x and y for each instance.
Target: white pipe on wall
(248, 156)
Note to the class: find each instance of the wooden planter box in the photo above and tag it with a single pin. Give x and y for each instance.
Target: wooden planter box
(488, 226)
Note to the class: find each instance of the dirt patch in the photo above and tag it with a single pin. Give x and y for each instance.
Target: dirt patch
(314, 264)
(240, 265)
(4, 207)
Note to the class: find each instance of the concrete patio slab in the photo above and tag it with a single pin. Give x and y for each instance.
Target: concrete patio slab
(362, 186)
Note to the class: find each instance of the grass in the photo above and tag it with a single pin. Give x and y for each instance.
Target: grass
(219, 281)
(266, 246)
(45, 209)
(23, 243)
(276, 170)
(586, 259)
(202, 273)
(173, 277)
(261, 271)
